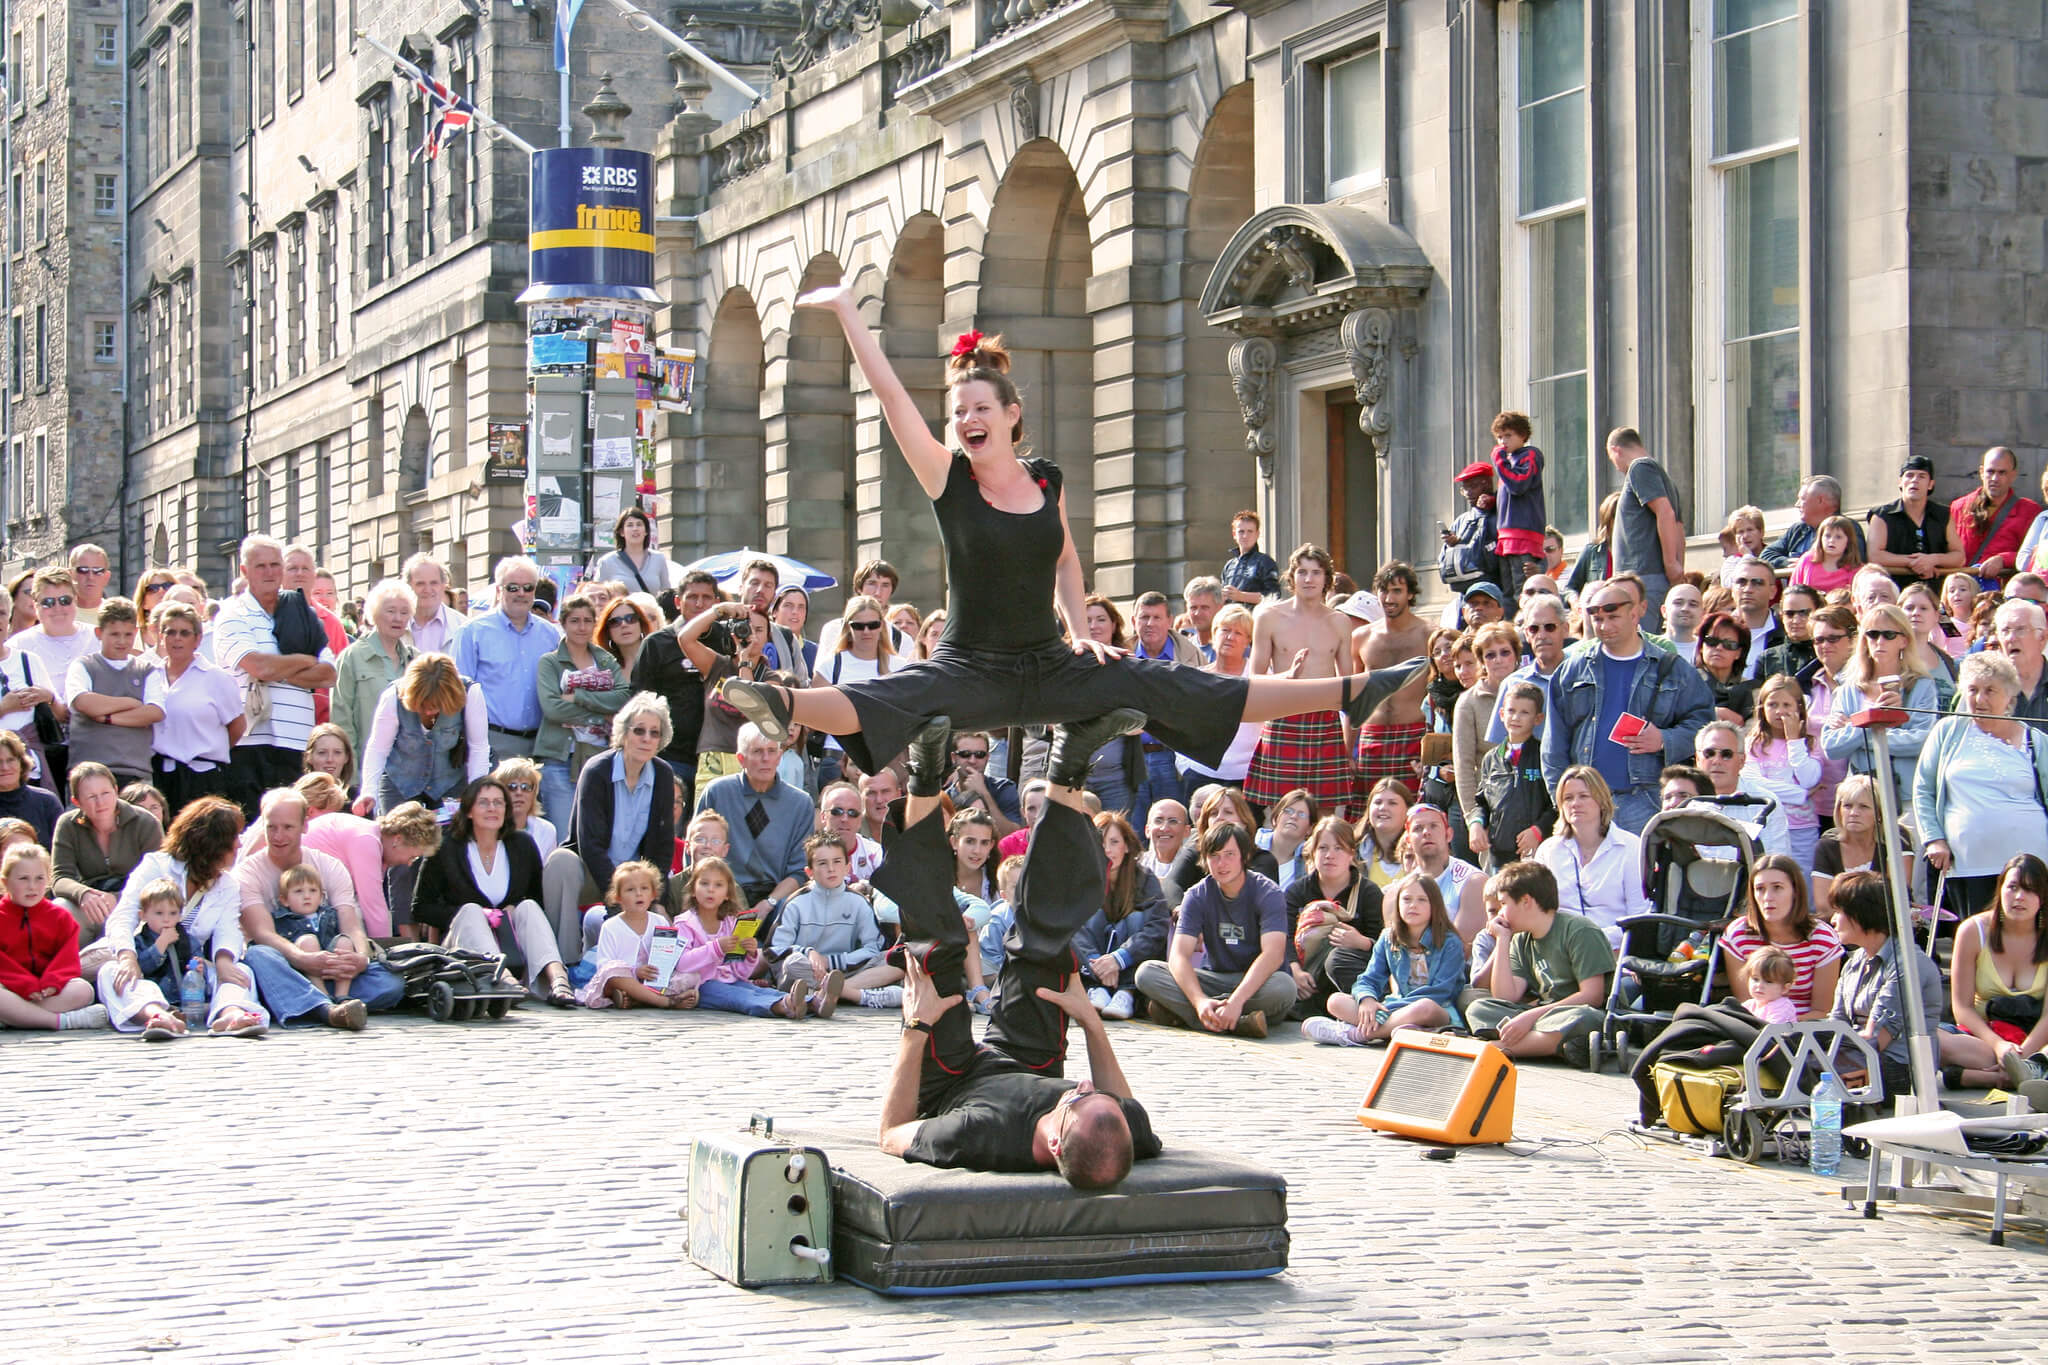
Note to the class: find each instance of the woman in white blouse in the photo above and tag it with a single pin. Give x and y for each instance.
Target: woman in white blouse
(1597, 863)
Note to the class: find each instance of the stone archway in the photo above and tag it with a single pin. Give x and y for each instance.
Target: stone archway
(1035, 264)
(1222, 474)
(808, 412)
(895, 516)
(730, 507)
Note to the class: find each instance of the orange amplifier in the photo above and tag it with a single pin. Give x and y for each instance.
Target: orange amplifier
(1442, 1089)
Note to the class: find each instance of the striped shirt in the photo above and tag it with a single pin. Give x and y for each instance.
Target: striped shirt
(243, 628)
(1819, 948)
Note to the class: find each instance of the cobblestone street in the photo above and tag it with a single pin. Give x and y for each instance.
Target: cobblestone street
(510, 1192)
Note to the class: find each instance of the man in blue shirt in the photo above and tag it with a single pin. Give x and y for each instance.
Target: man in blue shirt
(1240, 919)
(500, 651)
(767, 822)
(1664, 699)
(1249, 577)
(1157, 639)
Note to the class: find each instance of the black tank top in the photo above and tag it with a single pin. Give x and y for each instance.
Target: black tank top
(1000, 566)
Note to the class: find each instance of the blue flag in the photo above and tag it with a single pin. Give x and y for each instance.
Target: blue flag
(565, 23)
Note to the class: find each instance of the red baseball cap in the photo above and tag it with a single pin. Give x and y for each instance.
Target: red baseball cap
(1478, 469)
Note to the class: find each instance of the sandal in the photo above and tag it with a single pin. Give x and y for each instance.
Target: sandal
(251, 1027)
(767, 705)
(561, 996)
(155, 1032)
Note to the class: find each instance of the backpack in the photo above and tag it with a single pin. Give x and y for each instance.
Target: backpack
(1692, 1093)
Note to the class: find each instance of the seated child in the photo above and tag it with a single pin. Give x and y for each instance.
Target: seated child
(162, 947)
(723, 961)
(829, 937)
(1414, 979)
(40, 987)
(624, 976)
(301, 917)
(1001, 916)
(1512, 812)
(1547, 991)
(1771, 973)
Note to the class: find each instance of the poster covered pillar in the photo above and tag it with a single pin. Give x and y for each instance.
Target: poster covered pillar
(596, 380)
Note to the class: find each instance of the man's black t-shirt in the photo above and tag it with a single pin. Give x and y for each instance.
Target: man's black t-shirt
(988, 1121)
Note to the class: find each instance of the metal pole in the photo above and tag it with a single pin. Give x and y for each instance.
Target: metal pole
(484, 122)
(562, 128)
(647, 23)
(1919, 1041)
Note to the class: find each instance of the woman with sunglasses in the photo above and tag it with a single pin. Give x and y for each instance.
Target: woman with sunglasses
(1724, 650)
(581, 688)
(1890, 668)
(521, 777)
(625, 808)
(862, 651)
(149, 595)
(622, 627)
(1499, 647)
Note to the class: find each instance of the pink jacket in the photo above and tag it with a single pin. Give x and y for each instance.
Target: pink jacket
(702, 955)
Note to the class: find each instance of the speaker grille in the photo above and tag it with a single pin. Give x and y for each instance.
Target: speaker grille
(1420, 1082)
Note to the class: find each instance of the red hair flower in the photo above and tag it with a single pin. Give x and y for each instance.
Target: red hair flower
(968, 344)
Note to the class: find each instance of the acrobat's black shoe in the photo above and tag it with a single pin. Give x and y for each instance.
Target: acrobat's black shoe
(1379, 684)
(927, 756)
(1074, 744)
(765, 704)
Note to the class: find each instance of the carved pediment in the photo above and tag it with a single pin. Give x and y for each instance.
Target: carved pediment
(1301, 267)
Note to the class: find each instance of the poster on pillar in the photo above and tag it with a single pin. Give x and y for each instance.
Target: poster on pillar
(590, 225)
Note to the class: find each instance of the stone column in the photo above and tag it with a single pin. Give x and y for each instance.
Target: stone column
(1140, 353)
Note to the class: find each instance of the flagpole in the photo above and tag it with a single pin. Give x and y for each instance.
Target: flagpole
(483, 120)
(647, 23)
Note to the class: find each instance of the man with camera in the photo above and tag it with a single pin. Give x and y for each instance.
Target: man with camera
(973, 785)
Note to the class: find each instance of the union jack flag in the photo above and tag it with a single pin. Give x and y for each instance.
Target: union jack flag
(452, 114)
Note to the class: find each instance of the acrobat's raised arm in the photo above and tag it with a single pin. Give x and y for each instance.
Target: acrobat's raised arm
(924, 453)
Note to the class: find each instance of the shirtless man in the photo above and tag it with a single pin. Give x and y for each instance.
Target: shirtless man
(1390, 741)
(1302, 636)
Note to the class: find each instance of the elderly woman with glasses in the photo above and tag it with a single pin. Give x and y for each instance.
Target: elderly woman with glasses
(1980, 793)
(625, 809)
(1724, 652)
(1890, 668)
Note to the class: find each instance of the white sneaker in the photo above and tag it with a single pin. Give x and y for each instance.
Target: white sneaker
(1099, 998)
(882, 998)
(1122, 1005)
(1329, 1032)
(84, 1017)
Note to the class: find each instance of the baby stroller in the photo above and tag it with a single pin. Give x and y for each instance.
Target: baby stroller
(451, 983)
(1696, 866)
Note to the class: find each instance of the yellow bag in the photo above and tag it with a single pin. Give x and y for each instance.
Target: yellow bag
(1692, 1097)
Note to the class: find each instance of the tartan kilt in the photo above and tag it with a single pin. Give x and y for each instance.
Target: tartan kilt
(1389, 751)
(1305, 751)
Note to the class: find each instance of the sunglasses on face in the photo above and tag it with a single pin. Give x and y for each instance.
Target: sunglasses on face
(1717, 753)
(1831, 639)
(843, 812)
(518, 786)
(1543, 627)
(642, 732)
(970, 753)
(526, 588)
(863, 625)
(1796, 613)
(55, 601)
(1607, 608)
(1722, 642)
(1884, 634)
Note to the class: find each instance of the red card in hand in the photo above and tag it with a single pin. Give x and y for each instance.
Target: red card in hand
(1626, 727)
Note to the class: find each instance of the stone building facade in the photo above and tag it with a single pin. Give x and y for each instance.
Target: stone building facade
(1284, 253)
(322, 321)
(62, 227)
(1297, 253)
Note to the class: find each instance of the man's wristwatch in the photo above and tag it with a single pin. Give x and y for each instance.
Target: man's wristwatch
(917, 1026)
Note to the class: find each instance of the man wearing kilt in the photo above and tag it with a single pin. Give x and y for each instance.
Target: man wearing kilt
(1302, 636)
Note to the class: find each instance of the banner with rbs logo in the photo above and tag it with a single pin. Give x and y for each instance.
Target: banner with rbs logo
(590, 225)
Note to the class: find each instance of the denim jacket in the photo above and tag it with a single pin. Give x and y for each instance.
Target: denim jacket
(1669, 693)
(1446, 970)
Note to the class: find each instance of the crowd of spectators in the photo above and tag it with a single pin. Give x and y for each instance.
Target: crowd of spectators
(279, 785)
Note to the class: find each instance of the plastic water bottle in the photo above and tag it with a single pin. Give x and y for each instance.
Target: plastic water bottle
(1826, 1155)
(192, 994)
